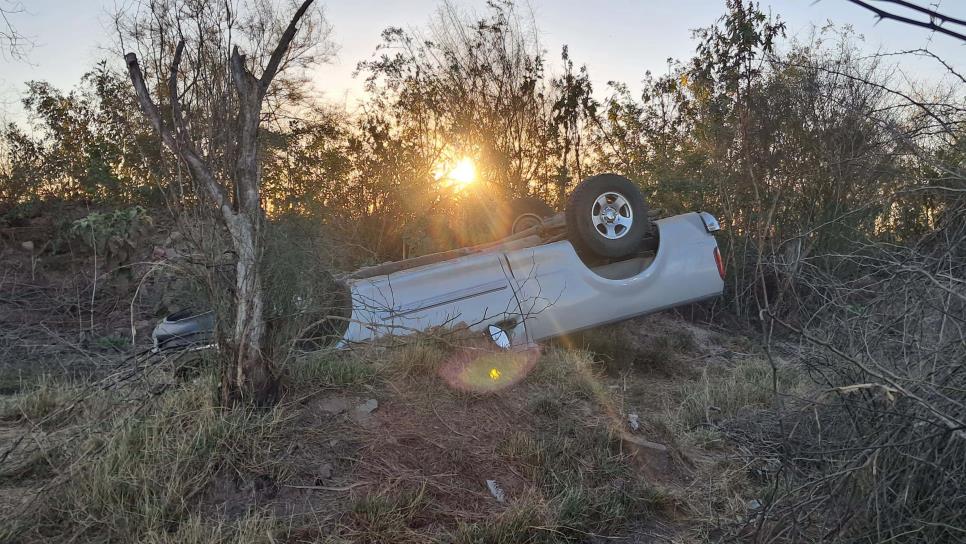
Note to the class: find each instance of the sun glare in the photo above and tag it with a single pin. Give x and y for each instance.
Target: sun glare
(463, 173)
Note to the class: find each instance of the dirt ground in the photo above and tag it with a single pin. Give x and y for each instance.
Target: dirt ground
(426, 439)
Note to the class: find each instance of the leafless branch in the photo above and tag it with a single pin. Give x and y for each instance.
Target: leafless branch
(282, 48)
(931, 24)
(17, 45)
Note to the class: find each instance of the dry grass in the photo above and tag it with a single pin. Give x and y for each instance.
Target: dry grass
(413, 470)
(420, 356)
(654, 343)
(139, 474)
(46, 401)
(255, 528)
(386, 516)
(721, 393)
(522, 522)
(331, 369)
(548, 442)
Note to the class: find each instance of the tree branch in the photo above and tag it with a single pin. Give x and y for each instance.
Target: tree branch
(924, 52)
(245, 82)
(933, 15)
(186, 153)
(947, 127)
(176, 113)
(147, 105)
(16, 43)
(276, 59)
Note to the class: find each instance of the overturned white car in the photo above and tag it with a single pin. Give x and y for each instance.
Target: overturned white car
(613, 264)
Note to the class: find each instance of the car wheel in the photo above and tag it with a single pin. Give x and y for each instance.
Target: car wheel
(527, 212)
(607, 217)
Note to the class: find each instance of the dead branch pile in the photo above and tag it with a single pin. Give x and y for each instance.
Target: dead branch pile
(880, 454)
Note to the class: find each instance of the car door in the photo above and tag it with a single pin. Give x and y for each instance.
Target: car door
(472, 291)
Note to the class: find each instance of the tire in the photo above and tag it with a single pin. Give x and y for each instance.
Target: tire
(607, 217)
(525, 212)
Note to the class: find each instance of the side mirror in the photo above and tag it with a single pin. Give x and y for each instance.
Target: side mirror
(499, 336)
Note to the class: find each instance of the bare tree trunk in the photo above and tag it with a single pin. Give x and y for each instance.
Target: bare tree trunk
(252, 368)
(251, 374)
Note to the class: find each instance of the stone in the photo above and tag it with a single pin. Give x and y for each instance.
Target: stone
(368, 407)
(634, 421)
(496, 490)
(654, 457)
(333, 405)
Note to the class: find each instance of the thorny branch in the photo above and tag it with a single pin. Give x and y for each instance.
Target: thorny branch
(931, 24)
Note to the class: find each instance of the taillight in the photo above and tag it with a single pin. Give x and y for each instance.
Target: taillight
(718, 261)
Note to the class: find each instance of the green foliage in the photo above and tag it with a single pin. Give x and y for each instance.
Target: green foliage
(800, 151)
(304, 162)
(113, 235)
(474, 86)
(799, 148)
(91, 144)
(703, 136)
(309, 306)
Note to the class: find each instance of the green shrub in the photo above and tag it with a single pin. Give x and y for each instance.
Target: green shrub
(115, 235)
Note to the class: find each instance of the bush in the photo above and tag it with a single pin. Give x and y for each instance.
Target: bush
(113, 236)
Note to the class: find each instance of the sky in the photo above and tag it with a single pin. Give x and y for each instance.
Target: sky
(619, 40)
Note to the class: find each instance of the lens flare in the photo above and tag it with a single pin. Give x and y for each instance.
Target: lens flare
(487, 369)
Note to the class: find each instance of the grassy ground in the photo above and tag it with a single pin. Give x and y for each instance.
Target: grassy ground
(397, 445)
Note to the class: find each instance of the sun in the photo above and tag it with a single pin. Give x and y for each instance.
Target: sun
(463, 173)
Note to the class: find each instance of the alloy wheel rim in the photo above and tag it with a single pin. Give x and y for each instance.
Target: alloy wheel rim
(611, 215)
